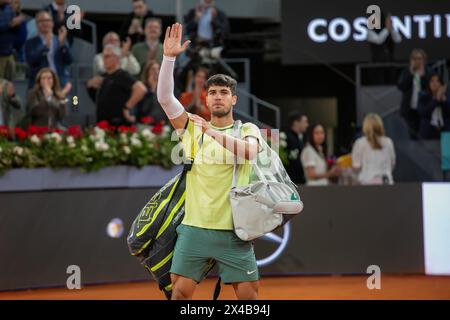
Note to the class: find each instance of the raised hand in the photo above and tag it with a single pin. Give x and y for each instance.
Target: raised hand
(62, 35)
(126, 45)
(172, 41)
(10, 89)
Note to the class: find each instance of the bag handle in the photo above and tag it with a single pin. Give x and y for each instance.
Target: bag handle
(260, 175)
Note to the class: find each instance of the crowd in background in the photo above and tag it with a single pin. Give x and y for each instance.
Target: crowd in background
(372, 159)
(125, 77)
(124, 74)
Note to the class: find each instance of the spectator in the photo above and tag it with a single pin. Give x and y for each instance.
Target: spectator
(20, 31)
(382, 45)
(206, 25)
(8, 23)
(194, 101)
(313, 158)
(298, 124)
(434, 109)
(411, 81)
(149, 106)
(133, 25)
(382, 41)
(47, 103)
(119, 92)
(48, 50)
(152, 48)
(58, 11)
(9, 101)
(373, 155)
(128, 61)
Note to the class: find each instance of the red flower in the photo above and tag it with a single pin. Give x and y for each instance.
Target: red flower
(103, 125)
(75, 131)
(330, 162)
(4, 131)
(58, 131)
(21, 134)
(126, 129)
(122, 129)
(147, 120)
(158, 128)
(35, 130)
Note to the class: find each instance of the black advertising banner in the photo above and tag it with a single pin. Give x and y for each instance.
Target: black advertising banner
(330, 31)
(354, 228)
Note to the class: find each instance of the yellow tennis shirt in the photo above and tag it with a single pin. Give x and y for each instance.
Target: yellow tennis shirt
(208, 183)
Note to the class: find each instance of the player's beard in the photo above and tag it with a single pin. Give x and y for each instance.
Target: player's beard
(221, 112)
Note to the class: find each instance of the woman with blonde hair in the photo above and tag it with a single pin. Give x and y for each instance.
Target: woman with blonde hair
(47, 103)
(373, 155)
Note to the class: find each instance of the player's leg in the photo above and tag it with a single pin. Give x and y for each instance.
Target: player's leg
(182, 288)
(246, 290)
(190, 261)
(237, 265)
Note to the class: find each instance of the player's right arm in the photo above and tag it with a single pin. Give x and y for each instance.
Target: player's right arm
(165, 91)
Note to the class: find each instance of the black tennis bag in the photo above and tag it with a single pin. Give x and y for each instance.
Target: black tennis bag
(153, 235)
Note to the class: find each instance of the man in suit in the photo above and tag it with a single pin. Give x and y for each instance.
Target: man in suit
(411, 82)
(298, 124)
(58, 11)
(48, 50)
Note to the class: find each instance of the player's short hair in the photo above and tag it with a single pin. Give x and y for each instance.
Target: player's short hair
(222, 80)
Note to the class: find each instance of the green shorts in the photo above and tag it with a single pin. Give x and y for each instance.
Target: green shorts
(195, 247)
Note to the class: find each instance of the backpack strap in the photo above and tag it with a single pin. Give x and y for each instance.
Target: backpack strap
(237, 134)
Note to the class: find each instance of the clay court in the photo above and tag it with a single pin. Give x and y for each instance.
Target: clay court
(272, 288)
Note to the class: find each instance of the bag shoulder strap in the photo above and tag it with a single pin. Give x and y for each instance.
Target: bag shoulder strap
(236, 134)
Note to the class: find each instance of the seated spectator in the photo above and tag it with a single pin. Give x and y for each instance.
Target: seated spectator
(58, 11)
(47, 103)
(20, 31)
(128, 61)
(194, 101)
(314, 160)
(434, 109)
(133, 26)
(149, 106)
(295, 136)
(119, 92)
(373, 155)
(151, 49)
(48, 50)
(9, 101)
(206, 25)
(8, 32)
(413, 80)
